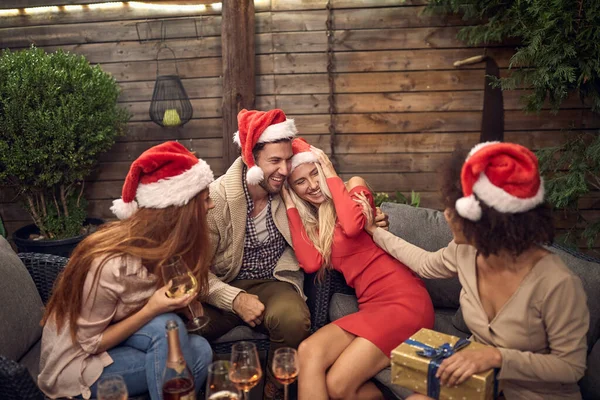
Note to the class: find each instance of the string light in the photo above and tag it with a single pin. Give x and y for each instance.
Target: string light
(116, 4)
(167, 7)
(73, 8)
(11, 12)
(106, 6)
(40, 10)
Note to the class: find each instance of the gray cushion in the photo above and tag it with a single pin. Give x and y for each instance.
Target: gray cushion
(21, 304)
(31, 360)
(590, 384)
(427, 229)
(589, 273)
(240, 332)
(444, 322)
(341, 305)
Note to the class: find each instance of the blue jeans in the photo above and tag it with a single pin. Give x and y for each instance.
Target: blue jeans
(141, 359)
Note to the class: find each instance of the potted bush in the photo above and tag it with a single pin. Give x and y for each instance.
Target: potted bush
(57, 115)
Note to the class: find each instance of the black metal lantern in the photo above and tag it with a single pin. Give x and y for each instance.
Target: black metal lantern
(170, 106)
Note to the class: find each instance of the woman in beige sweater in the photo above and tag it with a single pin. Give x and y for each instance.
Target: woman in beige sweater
(517, 297)
(108, 311)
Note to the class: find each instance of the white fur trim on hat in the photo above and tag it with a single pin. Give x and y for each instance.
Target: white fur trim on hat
(303, 158)
(283, 130)
(177, 190)
(469, 208)
(124, 210)
(502, 201)
(478, 147)
(255, 175)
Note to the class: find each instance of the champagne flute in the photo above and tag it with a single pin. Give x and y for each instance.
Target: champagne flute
(218, 383)
(285, 367)
(183, 282)
(112, 388)
(245, 366)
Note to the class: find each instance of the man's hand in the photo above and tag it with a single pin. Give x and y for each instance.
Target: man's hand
(381, 219)
(462, 365)
(249, 308)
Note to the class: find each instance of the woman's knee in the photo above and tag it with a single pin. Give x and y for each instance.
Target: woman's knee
(338, 386)
(311, 354)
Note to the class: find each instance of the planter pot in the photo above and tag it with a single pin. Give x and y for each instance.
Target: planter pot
(60, 247)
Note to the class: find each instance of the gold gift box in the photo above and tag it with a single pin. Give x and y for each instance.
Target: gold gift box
(409, 370)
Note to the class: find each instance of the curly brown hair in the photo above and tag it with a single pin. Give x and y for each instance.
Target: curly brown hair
(496, 231)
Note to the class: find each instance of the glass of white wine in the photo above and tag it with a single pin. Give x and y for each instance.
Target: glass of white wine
(245, 370)
(183, 282)
(112, 388)
(285, 367)
(218, 383)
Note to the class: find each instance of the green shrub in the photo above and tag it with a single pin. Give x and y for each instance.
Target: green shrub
(382, 197)
(57, 115)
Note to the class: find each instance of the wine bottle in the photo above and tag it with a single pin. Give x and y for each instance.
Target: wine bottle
(178, 381)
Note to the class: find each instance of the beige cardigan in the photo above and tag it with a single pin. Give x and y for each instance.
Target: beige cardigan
(540, 331)
(227, 224)
(69, 368)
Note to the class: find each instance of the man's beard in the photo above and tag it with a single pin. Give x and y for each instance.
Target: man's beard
(268, 188)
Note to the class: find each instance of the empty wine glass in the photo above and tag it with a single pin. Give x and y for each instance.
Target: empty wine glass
(112, 388)
(218, 384)
(285, 367)
(245, 366)
(183, 282)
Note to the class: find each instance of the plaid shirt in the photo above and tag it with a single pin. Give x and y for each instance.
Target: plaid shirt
(260, 258)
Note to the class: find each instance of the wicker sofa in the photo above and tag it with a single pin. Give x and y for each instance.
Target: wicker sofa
(428, 229)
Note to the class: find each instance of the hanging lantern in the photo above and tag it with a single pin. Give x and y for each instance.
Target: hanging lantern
(170, 106)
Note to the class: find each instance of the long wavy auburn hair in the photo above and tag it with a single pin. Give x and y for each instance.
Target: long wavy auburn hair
(319, 222)
(154, 235)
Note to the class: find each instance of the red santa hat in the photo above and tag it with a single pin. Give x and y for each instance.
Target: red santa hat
(504, 176)
(302, 153)
(260, 127)
(164, 175)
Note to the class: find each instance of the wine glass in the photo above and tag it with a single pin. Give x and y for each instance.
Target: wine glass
(183, 282)
(112, 388)
(245, 369)
(285, 367)
(218, 383)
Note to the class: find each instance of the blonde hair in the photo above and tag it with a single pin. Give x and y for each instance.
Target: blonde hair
(319, 222)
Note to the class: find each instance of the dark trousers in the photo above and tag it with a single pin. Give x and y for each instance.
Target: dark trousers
(286, 318)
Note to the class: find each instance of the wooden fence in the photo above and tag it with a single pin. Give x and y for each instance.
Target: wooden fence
(402, 107)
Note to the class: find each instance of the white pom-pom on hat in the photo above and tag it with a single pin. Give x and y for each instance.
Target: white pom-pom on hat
(503, 176)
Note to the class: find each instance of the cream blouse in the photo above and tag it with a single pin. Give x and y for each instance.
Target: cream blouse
(69, 368)
(540, 331)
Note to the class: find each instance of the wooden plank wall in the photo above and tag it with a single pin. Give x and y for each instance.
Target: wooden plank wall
(402, 106)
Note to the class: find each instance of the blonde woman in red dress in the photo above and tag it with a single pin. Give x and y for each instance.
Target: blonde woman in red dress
(327, 232)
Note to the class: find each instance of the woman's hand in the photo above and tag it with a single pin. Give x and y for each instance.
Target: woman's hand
(159, 303)
(462, 365)
(325, 162)
(367, 210)
(285, 196)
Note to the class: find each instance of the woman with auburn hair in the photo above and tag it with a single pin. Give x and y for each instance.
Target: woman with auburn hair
(327, 232)
(109, 308)
(517, 297)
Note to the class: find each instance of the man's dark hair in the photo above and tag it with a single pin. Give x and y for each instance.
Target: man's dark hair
(497, 231)
(259, 146)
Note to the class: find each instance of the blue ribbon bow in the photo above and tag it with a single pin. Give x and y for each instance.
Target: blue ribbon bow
(437, 355)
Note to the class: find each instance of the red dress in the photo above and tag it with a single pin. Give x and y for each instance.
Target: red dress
(392, 301)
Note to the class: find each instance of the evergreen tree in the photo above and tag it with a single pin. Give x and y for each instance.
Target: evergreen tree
(558, 55)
